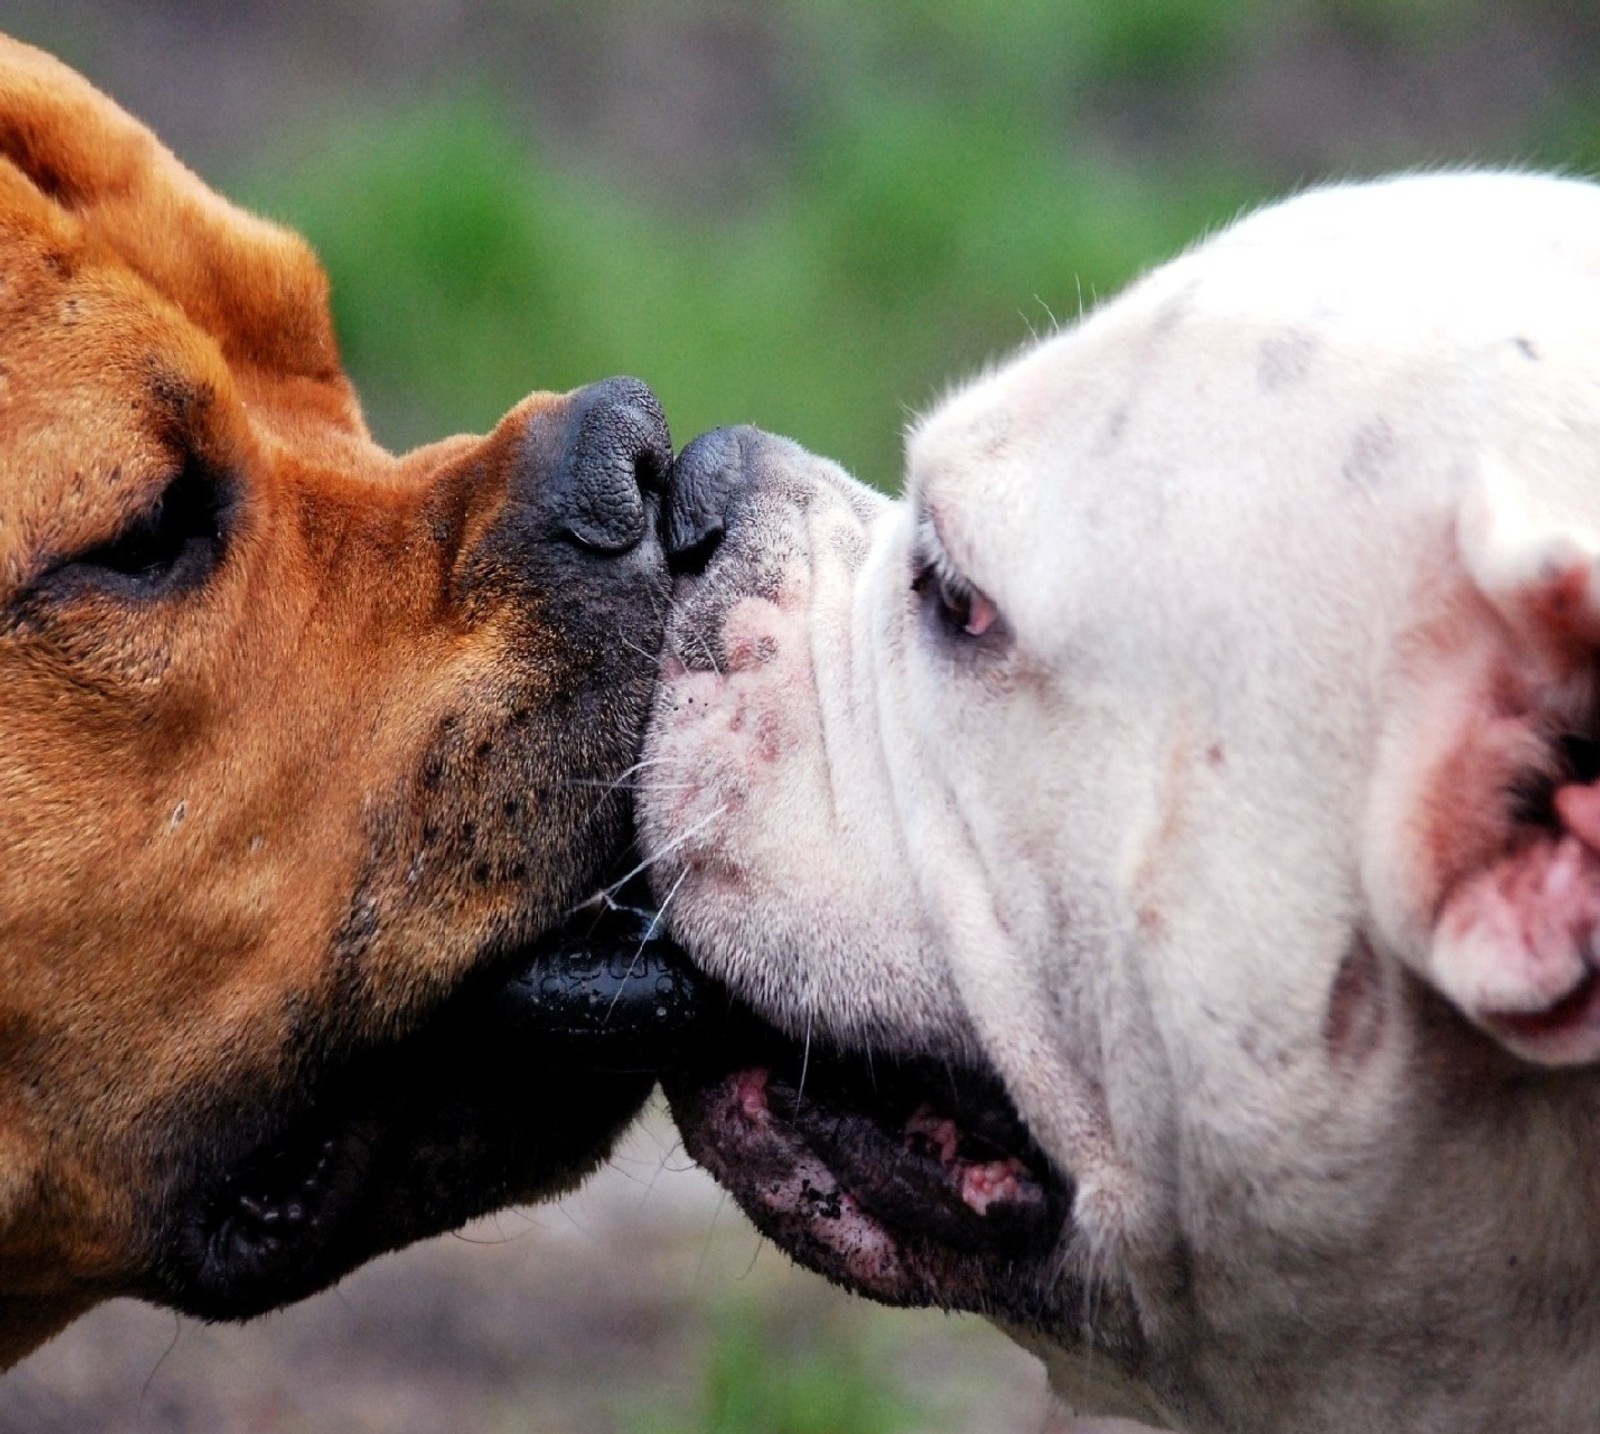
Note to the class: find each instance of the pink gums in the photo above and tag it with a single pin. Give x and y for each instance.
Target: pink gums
(981, 1182)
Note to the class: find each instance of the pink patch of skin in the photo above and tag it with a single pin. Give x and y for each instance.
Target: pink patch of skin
(750, 652)
(1579, 810)
(1538, 908)
(980, 1182)
(993, 1180)
(1517, 940)
(769, 737)
(750, 1090)
(939, 1131)
(867, 1252)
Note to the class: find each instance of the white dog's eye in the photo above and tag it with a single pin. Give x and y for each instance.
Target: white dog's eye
(961, 608)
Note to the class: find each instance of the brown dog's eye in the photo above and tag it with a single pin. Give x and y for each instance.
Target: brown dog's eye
(175, 544)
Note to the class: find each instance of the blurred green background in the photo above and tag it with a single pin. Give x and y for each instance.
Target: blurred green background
(811, 216)
(808, 214)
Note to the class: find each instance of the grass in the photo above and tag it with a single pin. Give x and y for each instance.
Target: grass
(766, 1376)
(909, 249)
(937, 200)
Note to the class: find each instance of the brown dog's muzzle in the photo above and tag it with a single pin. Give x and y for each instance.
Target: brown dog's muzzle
(514, 807)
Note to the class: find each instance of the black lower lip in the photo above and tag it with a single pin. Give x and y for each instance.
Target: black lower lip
(269, 1230)
(611, 993)
(514, 1090)
(826, 1172)
(904, 1184)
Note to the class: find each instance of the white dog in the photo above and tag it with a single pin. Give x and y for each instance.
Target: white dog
(1201, 757)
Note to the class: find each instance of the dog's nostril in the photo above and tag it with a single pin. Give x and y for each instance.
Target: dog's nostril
(705, 479)
(617, 449)
(650, 470)
(694, 558)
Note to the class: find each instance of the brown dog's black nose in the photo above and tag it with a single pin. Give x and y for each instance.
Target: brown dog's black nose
(615, 449)
(708, 473)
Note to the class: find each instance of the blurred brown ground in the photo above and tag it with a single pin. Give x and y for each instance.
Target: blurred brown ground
(576, 1318)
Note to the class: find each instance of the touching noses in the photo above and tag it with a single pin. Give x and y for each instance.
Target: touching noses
(710, 474)
(615, 451)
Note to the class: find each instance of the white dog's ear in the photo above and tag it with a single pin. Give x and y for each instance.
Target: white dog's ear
(1541, 576)
(1482, 853)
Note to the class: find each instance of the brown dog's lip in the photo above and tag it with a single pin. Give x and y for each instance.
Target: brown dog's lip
(471, 1112)
(277, 1213)
(610, 991)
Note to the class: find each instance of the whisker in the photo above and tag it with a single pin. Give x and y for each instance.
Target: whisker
(604, 897)
(642, 651)
(624, 777)
(705, 1249)
(655, 923)
(661, 1166)
(627, 774)
(805, 1065)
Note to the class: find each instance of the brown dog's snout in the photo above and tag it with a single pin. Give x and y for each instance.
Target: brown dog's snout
(614, 449)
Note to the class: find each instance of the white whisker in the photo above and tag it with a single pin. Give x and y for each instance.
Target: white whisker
(644, 652)
(606, 895)
(650, 931)
(805, 1064)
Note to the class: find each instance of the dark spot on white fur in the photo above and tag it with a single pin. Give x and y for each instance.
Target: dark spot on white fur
(1284, 360)
(1116, 425)
(1352, 1026)
(1370, 451)
(850, 544)
(992, 435)
(1174, 309)
(1525, 348)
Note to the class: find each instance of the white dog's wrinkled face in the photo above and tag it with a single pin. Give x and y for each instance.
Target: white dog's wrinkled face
(1206, 749)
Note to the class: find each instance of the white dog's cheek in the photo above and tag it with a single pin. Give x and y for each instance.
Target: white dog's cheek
(720, 736)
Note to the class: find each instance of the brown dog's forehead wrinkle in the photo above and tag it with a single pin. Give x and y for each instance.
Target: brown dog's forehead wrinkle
(255, 288)
(107, 392)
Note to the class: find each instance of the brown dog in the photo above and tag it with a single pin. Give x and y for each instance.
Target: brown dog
(295, 736)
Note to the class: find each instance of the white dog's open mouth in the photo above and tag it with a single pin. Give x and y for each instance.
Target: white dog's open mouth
(913, 1183)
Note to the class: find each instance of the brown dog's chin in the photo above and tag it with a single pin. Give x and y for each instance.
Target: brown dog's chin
(909, 1182)
(501, 1098)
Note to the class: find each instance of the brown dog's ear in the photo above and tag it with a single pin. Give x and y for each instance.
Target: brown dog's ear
(256, 289)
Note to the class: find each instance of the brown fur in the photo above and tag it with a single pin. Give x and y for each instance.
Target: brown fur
(248, 828)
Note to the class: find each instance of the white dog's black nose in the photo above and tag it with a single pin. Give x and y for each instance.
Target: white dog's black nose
(615, 449)
(705, 479)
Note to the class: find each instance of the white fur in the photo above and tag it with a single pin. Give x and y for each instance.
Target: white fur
(1263, 530)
